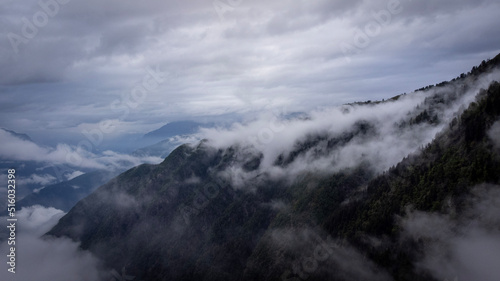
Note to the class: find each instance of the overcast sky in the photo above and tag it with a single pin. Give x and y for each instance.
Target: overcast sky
(66, 66)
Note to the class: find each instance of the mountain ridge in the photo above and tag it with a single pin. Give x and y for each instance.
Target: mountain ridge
(24, 137)
(215, 213)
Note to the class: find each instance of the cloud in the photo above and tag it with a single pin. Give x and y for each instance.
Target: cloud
(47, 258)
(463, 248)
(74, 175)
(39, 179)
(274, 54)
(342, 137)
(494, 134)
(16, 149)
(276, 205)
(36, 220)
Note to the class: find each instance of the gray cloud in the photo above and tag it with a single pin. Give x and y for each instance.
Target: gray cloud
(47, 259)
(280, 53)
(20, 150)
(382, 145)
(74, 175)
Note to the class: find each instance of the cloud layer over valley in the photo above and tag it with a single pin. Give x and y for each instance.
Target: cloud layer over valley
(39, 258)
(17, 149)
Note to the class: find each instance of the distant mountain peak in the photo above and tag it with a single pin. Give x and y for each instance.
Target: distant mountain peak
(175, 129)
(18, 135)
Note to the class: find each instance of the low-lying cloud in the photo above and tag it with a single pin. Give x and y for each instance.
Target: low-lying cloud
(494, 134)
(37, 258)
(45, 179)
(333, 139)
(463, 248)
(17, 149)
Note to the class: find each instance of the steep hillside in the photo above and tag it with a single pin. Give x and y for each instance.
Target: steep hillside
(171, 218)
(439, 178)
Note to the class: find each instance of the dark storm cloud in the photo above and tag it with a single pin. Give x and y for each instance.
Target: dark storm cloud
(245, 56)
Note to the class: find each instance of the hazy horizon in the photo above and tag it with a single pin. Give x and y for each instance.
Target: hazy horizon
(68, 66)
